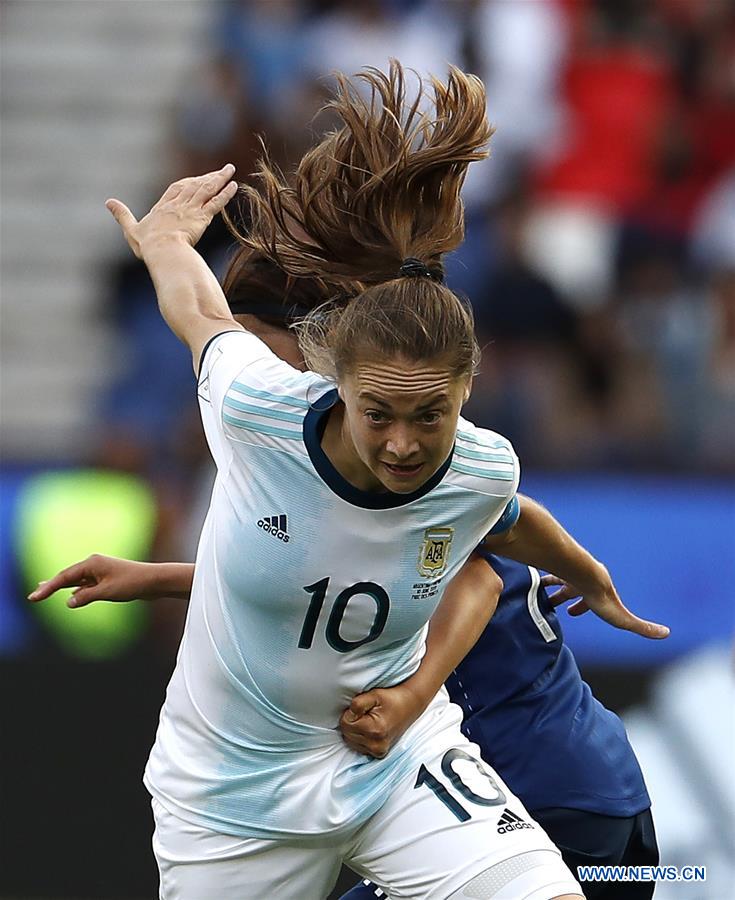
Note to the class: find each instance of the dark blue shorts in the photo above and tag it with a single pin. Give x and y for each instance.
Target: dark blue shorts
(590, 839)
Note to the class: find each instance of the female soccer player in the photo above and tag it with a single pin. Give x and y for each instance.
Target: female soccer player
(595, 807)
(519, 688)
(254, 794)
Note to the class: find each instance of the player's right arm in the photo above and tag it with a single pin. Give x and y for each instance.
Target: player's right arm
(108, 578)
(376, 719)
(189, 296)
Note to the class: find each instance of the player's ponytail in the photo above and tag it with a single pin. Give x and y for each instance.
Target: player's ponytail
(378, 203)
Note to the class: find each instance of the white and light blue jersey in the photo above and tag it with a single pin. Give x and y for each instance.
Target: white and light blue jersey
(307, 591)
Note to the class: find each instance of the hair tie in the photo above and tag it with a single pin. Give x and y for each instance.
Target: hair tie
(411, 267)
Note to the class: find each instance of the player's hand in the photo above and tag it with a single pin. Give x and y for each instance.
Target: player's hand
(566, 591)
(605, 603)
(99, 578)
(183, 212)
(376, 719)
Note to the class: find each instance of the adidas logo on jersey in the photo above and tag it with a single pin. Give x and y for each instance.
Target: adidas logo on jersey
(509, 821)
(277, 526)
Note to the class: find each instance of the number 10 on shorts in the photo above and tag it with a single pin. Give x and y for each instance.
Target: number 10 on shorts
(452, 804)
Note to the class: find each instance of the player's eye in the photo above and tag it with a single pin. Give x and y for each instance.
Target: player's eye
(376, 417)
(430, 418)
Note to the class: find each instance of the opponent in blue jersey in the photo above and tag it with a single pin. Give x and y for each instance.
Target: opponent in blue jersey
(557, 747)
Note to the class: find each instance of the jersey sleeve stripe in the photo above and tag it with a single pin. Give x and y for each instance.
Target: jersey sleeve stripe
(498, 474)
(492, 445)
(477, 454)
(532, 600)
(261, 429)
(266, 395)
(264, 411)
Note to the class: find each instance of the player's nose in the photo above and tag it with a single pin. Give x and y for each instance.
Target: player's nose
(402, 443)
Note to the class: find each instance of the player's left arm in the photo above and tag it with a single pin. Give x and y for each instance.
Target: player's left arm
(376, 719)
(189, 296)
(538, 540)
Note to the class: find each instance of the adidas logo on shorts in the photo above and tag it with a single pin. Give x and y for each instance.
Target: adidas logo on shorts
(509, 821)
(277, 526)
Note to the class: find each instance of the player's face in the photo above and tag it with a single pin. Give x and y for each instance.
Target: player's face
(401, 418)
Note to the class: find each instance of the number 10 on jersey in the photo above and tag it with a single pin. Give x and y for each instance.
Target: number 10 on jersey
(318, 592)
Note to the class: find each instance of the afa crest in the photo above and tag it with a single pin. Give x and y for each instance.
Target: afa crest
(434, 553)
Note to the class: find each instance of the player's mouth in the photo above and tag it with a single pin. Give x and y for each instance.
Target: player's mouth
(402, 471)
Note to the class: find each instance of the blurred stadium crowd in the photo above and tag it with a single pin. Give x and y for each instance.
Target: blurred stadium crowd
(600, 251)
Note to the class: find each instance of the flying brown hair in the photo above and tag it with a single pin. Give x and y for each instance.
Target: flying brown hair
(382, 188)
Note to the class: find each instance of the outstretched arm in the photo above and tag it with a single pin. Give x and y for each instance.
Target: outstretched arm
(538, 540)
(108, 578)
(376, 719)
(189, 296)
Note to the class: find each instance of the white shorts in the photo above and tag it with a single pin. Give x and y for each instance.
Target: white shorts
(451, 823)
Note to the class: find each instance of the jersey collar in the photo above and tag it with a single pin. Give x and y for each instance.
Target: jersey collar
(315, 423)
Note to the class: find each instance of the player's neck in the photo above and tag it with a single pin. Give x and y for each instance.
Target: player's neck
(340, 451)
